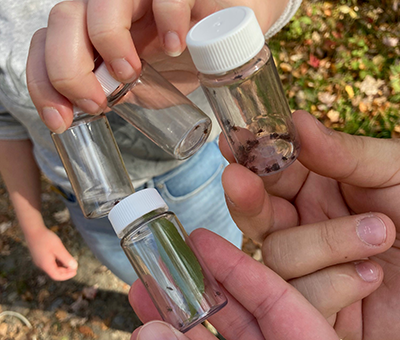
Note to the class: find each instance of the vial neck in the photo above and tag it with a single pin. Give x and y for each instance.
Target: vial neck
(140, 221)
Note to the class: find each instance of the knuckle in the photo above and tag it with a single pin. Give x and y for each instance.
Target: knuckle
(64, 10)
(329, 243)
(101, 33)
(66, 83)
(275, 255)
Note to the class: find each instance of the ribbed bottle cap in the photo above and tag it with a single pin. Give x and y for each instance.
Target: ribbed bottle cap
(133, 207)
(225, 40)
(108, 83)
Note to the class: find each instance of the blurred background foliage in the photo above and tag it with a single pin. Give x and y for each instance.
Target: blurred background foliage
(340, 60)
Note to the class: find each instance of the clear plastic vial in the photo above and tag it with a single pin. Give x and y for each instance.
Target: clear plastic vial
(157, 109)
(180, 285)
(93, 163)
(240, 80)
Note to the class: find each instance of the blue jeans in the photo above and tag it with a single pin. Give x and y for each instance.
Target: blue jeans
(193, 191)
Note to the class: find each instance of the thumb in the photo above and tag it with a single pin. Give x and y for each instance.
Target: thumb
(65, 258)
(355, 160)
(159, 330)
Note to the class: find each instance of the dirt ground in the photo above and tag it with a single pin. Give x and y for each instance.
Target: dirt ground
(92, 305)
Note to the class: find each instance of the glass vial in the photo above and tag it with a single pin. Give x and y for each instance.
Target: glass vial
(165, 260)
(240, 80)
(93, 164)
(157, 109)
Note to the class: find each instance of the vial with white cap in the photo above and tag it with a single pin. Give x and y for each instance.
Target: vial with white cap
(157, 109)
(178, 282)
(93, 163)
(240, 80)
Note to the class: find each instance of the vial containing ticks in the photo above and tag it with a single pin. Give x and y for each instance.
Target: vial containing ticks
(177, 280)
(240, 80)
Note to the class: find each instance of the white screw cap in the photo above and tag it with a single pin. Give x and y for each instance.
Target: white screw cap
(108, 83)
(225, 40)
(133, 207)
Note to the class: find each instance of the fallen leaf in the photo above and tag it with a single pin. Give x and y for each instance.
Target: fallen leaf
(313, 61)
(390, 41)
(62, 216)
(87, 331)
(333, 116)
(326, 98)
(350, 91)
(370, 86)
(363, 107)
(285, 67)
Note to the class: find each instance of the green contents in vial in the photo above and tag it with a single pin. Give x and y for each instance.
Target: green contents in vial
(173, 248)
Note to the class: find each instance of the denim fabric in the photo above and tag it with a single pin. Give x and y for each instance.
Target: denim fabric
(193, 191)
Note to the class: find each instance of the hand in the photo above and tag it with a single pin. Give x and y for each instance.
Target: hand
(50, 255)
(260, 304)
(344, 194)
(60, 63)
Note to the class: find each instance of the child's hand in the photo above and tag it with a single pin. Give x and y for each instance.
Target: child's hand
(50, 255)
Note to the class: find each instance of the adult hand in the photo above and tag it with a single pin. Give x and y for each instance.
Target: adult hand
(50, 255)
(260, 306)
(60, 63)
(344, 193)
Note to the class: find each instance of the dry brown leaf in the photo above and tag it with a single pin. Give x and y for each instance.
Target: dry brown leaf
(363, 107)
(285, 67)
(334, 116)
(87, 331)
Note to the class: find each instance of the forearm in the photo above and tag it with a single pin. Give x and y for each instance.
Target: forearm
(22, 178)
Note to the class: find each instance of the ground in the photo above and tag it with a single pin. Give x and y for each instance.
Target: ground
(93, 304)
(340, 60)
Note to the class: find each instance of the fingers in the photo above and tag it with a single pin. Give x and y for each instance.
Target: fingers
(254, 212)
(280, 310)
(285, 184)
(146, 311)
(54, 109)
(161, 330)
(69, 57)
(55, 270)
(334, 288)
(303, 250)
(109, 24)
(173, 23)
(360, 161)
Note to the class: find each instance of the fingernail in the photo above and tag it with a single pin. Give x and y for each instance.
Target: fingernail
(157, 330)
(228, 199)
(323, 128)
(53, 120)
(73, 264)
(89, 106)
(172, 44)
(371, 230)
(123, 70)
(367, 271)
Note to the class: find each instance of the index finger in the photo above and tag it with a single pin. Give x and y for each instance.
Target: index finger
(356, 160)
(281, 311)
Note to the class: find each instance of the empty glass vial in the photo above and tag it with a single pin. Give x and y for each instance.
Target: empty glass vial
(240, 80)
(180, 285)
(93, 164)
(157, 109)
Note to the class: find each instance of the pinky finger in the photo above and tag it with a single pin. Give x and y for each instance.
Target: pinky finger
(173, 21)
(54, 109)
(334, 288)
